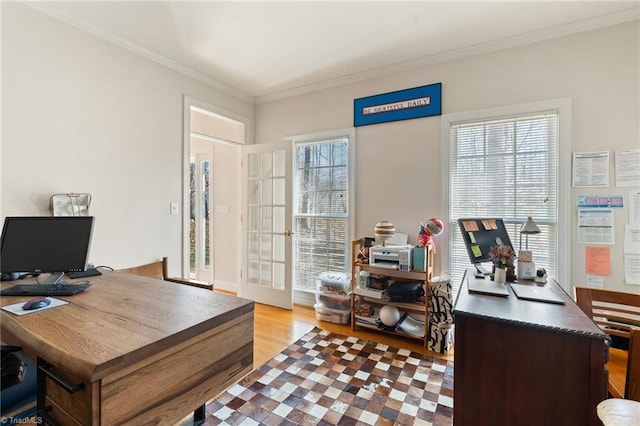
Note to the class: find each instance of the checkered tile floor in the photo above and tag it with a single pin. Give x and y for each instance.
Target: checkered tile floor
(328, 379)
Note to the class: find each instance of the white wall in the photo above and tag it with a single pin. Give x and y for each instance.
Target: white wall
(398, 164)
(80, 114)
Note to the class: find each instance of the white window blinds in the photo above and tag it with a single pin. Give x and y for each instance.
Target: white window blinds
(505, 168)
(321, 210)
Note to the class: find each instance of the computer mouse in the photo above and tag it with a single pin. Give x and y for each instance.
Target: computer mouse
(37, 303)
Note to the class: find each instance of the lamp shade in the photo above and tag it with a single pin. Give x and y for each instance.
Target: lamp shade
(529, 227)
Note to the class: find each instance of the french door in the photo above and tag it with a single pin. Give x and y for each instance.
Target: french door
(266, 224)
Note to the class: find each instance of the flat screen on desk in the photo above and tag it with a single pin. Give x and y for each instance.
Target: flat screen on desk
(45, 244)
(480, 234)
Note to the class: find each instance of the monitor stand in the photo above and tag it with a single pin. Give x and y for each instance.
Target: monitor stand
(480, 271)
(53, 278)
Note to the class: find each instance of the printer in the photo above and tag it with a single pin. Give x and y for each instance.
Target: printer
(391, 256)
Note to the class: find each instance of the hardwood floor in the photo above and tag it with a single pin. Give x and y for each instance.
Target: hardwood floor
(276, 328)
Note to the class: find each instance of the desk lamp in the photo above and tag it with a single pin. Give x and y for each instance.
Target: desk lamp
(526, 267)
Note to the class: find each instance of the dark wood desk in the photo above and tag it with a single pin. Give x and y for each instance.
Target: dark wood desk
(145, 351)
(521, 362)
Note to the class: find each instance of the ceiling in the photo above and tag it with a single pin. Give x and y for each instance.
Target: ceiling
(267, 50)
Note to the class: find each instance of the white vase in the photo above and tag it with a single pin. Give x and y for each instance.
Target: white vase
(500, 275)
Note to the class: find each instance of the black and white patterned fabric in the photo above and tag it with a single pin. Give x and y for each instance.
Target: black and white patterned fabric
(328, 379)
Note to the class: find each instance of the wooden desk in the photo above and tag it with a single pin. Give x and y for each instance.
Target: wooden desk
(147, 351)
(521, 362)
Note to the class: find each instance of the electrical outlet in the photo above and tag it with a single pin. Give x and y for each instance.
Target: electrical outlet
(174, 208)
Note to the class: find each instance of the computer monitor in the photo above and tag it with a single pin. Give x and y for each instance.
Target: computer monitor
(480, 234)
(45, 244)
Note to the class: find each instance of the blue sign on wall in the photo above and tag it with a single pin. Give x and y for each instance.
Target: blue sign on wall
(422, 101)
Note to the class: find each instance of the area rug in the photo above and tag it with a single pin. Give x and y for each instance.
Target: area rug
(329, 379)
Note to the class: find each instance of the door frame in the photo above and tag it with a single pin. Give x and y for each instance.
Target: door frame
(190, 103)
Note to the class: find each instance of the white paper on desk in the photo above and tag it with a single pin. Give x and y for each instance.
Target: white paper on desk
(16, 308)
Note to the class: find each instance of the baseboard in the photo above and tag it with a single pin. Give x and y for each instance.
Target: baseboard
(226, 286)
(304, 298)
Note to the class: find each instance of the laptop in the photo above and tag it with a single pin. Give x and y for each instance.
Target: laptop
(536, 293)
(486, 286)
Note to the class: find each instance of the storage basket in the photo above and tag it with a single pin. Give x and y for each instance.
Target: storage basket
(335, 316)
(334, 283)
(334, 301)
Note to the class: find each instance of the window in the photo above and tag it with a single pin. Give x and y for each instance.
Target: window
(506, 164)
(321, 208)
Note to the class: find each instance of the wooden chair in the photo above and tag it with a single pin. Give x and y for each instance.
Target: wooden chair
(632, 388)
(618, 314)
(160, 271)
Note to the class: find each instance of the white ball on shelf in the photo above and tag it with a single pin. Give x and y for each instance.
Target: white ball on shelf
(389, 315)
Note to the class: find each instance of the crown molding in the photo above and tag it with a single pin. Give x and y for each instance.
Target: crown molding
(142, 51)
(422, 62)
(492, 46)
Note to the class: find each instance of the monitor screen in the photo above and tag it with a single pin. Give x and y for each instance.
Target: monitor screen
(45, 244)
(480, 234)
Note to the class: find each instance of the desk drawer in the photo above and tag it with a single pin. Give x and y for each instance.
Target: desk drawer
(66, 407)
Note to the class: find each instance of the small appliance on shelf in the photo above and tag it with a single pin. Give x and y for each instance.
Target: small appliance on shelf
(394, 254)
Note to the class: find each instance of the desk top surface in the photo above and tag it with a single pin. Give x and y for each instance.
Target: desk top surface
(119, 320)
(563, 318)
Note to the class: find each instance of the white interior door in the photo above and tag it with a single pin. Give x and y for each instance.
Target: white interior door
(266, 224)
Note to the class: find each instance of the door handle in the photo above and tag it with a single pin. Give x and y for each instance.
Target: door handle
(287, 233)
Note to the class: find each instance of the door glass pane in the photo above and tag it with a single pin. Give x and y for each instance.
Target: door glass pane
(254, 245)
(265, 247)
(278, 276)
(266, 166)
(278, 248)
(253, 191)
(267, 192)
(278, 220)
(279, 163)
(192, 218)
(265, 219)
(253, 221)
(279, 191)
(204, 237)
(253, 275)
(265, 274)
(253, 168)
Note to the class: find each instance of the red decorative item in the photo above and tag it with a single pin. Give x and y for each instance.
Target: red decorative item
(431, 228)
